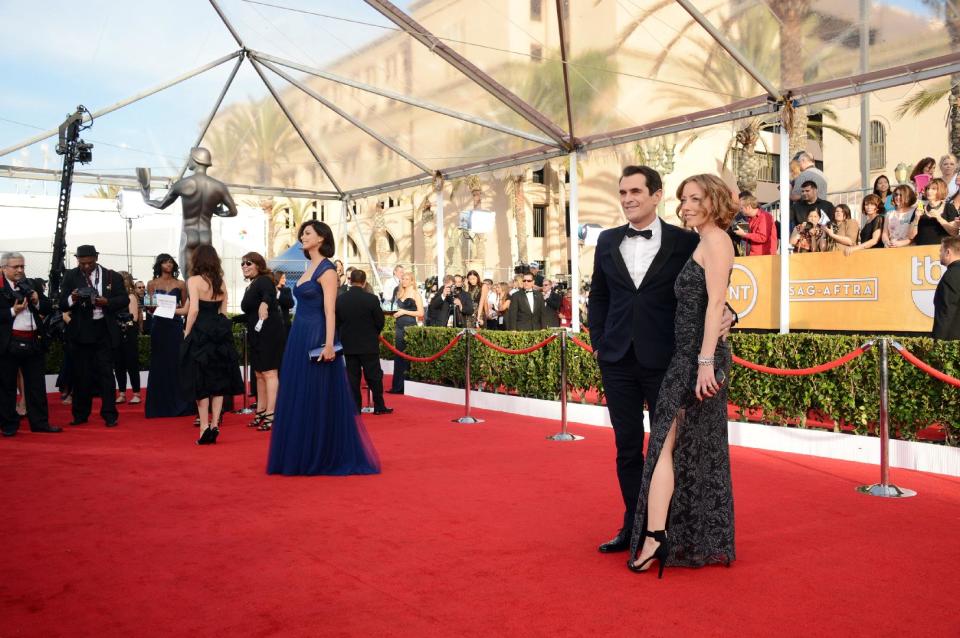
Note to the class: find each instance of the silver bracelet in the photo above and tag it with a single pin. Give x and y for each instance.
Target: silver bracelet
(705, 361)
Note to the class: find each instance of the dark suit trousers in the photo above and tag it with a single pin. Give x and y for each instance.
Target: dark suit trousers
(34, 388)
(93, 367)
(627, 386)
(370, 364)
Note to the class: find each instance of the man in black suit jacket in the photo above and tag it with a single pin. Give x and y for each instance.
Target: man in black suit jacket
(93, 295)
(526, 311)
(22, 348)
(631, 310)
(360, 321)
(946, 300)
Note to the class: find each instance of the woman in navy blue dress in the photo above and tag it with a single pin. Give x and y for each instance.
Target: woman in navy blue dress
(316, 428)
(164, 395)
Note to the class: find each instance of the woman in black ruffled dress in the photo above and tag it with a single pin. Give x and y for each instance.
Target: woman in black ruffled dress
(209, 366)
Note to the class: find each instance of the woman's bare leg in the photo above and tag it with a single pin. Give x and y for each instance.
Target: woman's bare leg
(661, 491)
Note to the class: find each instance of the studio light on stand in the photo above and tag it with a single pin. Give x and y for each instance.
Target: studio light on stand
(130, 206)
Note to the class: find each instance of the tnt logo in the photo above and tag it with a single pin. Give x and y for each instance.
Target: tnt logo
(924, 272)
(742, 293)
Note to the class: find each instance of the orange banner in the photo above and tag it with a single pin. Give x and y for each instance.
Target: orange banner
(887, 289)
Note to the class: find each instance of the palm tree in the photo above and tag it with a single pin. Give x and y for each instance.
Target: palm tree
(110, 192)
(949, 88)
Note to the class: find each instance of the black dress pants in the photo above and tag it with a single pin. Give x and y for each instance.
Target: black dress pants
(34, 388)
(93, 367)
(627, 386)
(126, 359)
(370, 364)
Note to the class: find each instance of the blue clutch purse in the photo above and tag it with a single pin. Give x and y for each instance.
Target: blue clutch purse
(314, 353)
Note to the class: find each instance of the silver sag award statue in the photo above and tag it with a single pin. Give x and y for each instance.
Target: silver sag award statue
(201, 197)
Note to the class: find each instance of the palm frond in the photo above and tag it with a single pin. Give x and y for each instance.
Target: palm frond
(923, 100)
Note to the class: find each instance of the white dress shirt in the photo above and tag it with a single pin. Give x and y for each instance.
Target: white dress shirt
(22, 320)
(529, 295)
(638, 253)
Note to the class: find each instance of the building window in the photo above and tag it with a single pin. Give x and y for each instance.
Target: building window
(352, 251)
(323, 213)
(878, 146)
(769, 170)
(536, 10)
(391, 244)
(539, 220)
(537, 177)
(286, 218)
(536, 52)
(566, 220)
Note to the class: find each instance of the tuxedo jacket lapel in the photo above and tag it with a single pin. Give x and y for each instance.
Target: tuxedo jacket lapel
(663, 255)
(618, 263)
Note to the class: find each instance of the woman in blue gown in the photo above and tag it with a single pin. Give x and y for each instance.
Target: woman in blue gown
(316, 428)
(164, 395)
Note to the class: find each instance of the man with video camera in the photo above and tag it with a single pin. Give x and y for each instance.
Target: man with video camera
(96, 298)
(450, 305)
(22, 347)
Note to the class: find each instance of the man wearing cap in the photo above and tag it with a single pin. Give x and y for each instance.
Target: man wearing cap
(93, 295)
(537, 275)
(22, 348)
(201, 197)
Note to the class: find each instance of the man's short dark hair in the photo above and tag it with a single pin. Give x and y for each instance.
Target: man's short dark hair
(812, 184)
(652, 177)
(357, 276)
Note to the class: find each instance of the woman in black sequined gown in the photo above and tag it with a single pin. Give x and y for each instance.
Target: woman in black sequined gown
(685, 510)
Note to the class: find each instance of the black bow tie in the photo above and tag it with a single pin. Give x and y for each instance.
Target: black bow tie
(632, 232)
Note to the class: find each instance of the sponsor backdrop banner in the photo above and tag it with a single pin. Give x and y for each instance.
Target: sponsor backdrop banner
(887, 289)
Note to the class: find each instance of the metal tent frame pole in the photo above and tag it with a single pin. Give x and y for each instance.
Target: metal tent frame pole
(441, 238)
(574, 231)
(784, 230)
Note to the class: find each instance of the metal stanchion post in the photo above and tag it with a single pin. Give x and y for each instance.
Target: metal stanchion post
(563, 435)
(368, 408)
(246, 378)
(466, 418)
(884, 488)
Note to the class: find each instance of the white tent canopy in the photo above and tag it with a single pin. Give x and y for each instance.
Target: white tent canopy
(336, 99)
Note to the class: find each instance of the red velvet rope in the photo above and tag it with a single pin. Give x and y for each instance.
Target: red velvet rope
(933, 372)
(408, 357)
(582, 344)
(790, 372)
(491, 344)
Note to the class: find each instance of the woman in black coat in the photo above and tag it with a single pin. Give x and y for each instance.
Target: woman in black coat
(266, 334)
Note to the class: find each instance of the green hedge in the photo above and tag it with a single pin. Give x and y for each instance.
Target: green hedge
(848, 394)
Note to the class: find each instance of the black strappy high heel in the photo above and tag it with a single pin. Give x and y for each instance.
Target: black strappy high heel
(660, 554)
(256, 420)
(266, 422)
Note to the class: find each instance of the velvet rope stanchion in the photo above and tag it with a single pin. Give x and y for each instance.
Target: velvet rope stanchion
(466, 418)
(563, 435)
(244, 409)
(933, 372)
(884, 488)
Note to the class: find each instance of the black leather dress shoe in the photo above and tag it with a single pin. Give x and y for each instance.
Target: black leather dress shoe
(112, 423)
(49, 428)
(392, 391)
(78, 422)
(11, 433)
(383, 411)
(619, 543)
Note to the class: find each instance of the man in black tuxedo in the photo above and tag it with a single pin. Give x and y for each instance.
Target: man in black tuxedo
(946, 300)
(631, 309)
(360, 321)
(552, 299)
(93, 295)
(526, 311)
(22, 348)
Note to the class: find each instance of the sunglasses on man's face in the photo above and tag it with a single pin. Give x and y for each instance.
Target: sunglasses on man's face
(528, 281)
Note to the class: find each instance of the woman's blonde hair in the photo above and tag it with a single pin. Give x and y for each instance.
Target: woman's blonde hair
(717, 198)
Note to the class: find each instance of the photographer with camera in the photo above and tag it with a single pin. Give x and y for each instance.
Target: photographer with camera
(93, 295)
(22, 348)
(760, 234)
(450, 305)
(552, 298)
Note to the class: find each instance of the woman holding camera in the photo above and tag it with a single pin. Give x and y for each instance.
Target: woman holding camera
(809, 237)
(126, 357)
(844, 231)
(409, 311)
(164, 394)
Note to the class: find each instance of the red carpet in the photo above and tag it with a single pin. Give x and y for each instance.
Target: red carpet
(484, 530)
